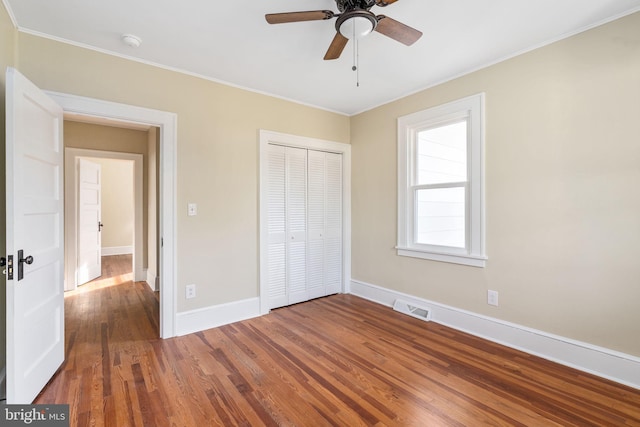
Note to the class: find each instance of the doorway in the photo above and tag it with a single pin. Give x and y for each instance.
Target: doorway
(35, 214)
(72, 156)
(119, 114)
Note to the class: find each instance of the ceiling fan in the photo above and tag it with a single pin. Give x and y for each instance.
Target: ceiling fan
(354, 21)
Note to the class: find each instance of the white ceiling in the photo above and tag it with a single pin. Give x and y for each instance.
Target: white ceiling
(230, 41)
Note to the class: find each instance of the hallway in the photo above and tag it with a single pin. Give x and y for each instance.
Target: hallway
(110, 323)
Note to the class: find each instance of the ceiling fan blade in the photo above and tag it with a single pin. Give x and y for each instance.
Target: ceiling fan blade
(397, 30)
(312, 15)
(336, 47)
(384, 3)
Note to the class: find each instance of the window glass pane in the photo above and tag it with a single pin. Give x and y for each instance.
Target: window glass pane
(442, 154)
(440, 217)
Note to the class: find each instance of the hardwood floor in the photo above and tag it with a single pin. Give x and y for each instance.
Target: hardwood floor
(335, 361)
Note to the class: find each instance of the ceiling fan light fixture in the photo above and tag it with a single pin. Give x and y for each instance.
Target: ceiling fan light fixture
(356, 24)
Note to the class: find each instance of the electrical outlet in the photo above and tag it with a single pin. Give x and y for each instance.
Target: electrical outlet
(492, 297)
(190, 291)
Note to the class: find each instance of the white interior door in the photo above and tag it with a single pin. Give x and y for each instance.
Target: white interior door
(34, 195)
(276, 262)
(89, 221)
(324, 259)
(333, 256)
(316, 223)
(296, 202)
(287, 226)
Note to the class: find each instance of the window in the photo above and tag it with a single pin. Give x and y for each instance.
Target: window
(440, 183)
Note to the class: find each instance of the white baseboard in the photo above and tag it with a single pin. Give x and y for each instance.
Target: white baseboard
(151, 280)
(216, 315)
(620, 367)
(117, 250)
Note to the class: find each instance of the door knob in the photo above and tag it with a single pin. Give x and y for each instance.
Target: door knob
(21, 261)
(100, 225)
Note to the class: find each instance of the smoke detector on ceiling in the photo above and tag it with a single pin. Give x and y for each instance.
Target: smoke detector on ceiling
(131, 40)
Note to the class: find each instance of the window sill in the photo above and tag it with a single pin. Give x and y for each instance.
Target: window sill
(471, 260)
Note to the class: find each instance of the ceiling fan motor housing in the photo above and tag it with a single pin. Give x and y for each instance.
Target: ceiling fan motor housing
(344, 5)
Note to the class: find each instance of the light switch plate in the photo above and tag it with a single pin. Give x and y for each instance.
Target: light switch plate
(492, 297)
(192, 209)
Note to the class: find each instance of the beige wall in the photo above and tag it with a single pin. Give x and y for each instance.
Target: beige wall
(217, 157)
(8, 38)
(105, 138)
(117, 202)
(562, 198)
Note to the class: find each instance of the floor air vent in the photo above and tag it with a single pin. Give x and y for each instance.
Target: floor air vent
(421, 313)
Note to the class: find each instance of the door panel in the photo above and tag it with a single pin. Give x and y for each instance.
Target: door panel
(89, 219)
(276, 213)
(317, 223)
(333, 230)
(296, 199)
(34, 196)
(325, 223)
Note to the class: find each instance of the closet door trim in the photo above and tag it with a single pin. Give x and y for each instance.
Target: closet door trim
(287, 140)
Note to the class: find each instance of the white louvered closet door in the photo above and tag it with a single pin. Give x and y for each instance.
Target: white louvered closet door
(304, 200)
(316, 222)
(276, 227)
(324, 264)
(296, 201)
(333, 225)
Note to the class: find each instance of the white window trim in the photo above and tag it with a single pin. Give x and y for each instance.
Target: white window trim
(472, 108)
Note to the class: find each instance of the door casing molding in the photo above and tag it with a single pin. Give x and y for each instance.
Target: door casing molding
(71, 156)
(168, 124)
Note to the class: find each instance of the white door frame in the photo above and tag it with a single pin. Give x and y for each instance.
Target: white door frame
(167, 122)
(269, 137)
(71, 156)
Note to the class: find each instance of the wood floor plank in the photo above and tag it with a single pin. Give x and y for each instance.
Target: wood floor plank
(335, 361)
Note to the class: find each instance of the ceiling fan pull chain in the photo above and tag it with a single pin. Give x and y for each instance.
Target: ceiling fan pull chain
(356, 57)
(357, 64)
